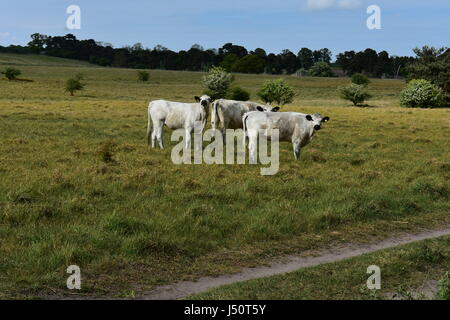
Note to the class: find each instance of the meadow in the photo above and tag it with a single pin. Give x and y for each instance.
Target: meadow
(79, 185)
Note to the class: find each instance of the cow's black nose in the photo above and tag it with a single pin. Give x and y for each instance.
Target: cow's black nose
(204, 103)
(316, 127)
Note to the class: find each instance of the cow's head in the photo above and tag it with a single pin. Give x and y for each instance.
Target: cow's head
(317, 120)
(205, 100)
(267, 108)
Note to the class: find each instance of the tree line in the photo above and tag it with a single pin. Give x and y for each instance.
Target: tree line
(233, 58)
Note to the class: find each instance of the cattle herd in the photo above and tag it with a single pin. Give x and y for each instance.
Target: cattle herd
(255, 120)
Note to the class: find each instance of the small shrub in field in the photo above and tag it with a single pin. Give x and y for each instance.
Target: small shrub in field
(276, 91)
(11, 73)
(355, 93)
(143, 76)
(237, 93)
(358, 78)
(421, 94)
(107, 152)
(217, 82)
(74, 84)
(321, 69)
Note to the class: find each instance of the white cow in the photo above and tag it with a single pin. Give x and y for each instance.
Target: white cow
(176, 115)
(230, 112)
(297, 128)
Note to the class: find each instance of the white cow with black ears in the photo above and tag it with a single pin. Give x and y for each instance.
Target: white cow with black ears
(297, 128)
(230, 112)
(176, 115)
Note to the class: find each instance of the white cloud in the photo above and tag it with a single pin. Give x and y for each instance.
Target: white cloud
(317, 5)
(4, 34)
(349, 4)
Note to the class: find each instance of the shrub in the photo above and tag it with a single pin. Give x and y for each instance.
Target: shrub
(355, 93)
(11, 73)
(74, 84)
(143, 76)
(421, 94)
(106, 152)
(276, 91)
(321, 69)
(217, 82)
(358, 78)
(237, 93)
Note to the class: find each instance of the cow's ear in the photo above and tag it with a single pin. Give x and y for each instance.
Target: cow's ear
(326, 119)
(259, 108)
(275, 109)
(309, 118)
(197, 98)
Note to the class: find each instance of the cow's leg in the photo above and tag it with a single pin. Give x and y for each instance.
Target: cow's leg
(252, 146)
(159, 133)
(198, 135)
(154, 130)
(226, 125)
(296, 147)
(188, 132)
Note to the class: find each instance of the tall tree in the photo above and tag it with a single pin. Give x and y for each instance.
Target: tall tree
(306, 58)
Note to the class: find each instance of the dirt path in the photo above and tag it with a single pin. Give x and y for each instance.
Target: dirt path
(186, 288)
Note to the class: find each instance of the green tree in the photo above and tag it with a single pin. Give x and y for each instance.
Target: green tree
(421, 94)
(321, 69)
(217, 82)
(355, 93)
(249, 64)
(11, 73)
(276, 91)
(74, 84)
(306, 58)
(431, 64)
(229, 61)
(359, 78)
(143, 76)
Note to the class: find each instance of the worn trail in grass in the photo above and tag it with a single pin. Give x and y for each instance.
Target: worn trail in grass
(291, 263)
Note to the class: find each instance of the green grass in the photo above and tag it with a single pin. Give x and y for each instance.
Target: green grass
(133, 219)
(404, 271)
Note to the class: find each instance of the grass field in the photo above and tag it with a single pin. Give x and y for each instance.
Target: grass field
(415, 271)
(139, 220)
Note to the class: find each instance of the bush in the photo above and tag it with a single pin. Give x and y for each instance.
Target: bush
(143, 76)
(237, 93)
(74, 84)
(358, 78)
(11, 73)
(321, 69)
(276, 91)
(421, 94)
(355, 93)
(217, 82)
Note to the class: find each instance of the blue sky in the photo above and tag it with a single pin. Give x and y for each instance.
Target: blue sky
(273, 25)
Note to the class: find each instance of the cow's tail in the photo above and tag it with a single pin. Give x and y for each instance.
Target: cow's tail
(149, 127)
(214, 115)
(244, 126)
